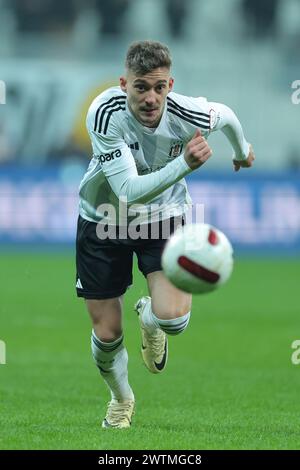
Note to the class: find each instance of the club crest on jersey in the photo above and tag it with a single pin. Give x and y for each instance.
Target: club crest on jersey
(176, 149)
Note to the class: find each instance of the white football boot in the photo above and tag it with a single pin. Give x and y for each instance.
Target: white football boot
(119, 414)
(154, 344)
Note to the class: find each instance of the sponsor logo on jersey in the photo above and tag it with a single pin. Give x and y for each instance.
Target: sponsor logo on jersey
(107, 157)
(176, 149)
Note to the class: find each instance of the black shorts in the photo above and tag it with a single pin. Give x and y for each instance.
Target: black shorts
(104, 266)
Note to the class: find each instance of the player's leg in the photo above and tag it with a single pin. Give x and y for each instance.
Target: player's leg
(103, 274)
(167, 311)
(106, 317)
(111, 358)
(171, 306)
(108, 348)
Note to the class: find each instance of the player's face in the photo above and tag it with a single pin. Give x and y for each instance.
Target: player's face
(146, 94)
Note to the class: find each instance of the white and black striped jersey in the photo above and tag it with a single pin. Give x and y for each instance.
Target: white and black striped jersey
(143, 169)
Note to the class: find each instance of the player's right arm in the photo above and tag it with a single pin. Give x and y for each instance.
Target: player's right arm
(120, 170)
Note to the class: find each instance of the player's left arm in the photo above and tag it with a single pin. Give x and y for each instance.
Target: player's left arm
(223, 118)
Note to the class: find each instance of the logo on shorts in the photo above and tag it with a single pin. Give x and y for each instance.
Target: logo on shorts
(176, 149)
(78, 284)
(107, 157)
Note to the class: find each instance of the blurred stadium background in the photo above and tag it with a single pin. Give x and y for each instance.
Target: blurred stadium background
(54, 58)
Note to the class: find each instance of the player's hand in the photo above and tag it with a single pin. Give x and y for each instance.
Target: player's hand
(197, 151)
(237, 164)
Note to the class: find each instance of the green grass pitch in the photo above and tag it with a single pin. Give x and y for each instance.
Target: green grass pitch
(229, 384)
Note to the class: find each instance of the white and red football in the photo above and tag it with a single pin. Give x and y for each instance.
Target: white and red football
(198, 258)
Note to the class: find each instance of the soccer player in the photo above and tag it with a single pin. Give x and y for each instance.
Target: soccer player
(145, 140)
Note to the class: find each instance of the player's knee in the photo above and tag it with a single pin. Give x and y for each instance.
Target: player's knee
(107, 333)
(169, 312)
(106, 319)
(175, 326)
(167, 307)
(106, 329)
